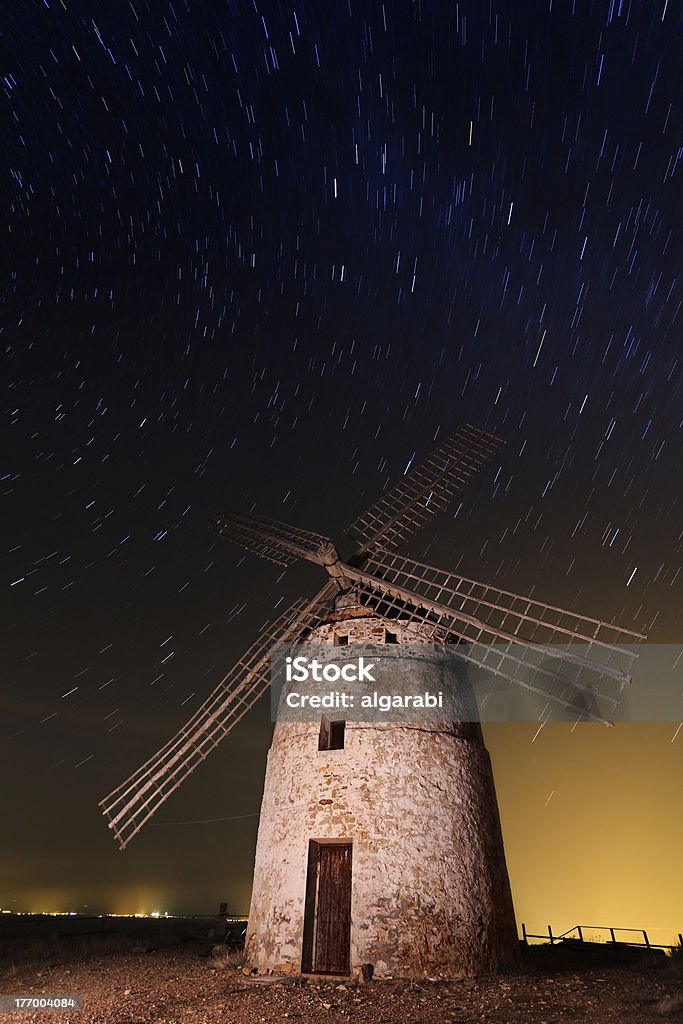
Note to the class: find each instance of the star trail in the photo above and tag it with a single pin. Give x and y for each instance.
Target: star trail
(262, 256)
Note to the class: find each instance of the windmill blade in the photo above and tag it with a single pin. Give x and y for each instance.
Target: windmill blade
(516, 614)
(578, 662)
(129, 806)
(425, 490)
(278, 542)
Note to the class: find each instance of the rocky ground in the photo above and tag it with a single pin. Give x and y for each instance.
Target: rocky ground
(182, 986)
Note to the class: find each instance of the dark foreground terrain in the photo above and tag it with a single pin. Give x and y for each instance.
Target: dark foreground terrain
(187, 984)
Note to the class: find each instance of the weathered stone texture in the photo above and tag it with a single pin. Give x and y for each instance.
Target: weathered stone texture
(430, 891)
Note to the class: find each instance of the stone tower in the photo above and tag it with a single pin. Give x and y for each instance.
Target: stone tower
(380, 843)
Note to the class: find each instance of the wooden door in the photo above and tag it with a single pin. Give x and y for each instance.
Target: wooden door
(327, 921)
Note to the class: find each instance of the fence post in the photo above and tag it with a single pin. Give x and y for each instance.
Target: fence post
(580, 931)
(611, 931)
(647, 941)
(550, 933)
(524, 938)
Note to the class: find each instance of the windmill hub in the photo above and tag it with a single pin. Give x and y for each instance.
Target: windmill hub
(329, 558)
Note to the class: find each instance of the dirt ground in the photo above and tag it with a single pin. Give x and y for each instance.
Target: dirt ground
(182, 986)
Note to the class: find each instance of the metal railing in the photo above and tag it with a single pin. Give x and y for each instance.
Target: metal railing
(577, 934)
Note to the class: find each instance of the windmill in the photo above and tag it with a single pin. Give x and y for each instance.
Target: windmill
(380, 844)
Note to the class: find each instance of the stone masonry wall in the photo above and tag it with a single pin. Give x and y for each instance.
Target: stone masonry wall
(430, 892)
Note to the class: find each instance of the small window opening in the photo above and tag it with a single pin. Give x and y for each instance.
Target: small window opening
(390, 638)
(331, 735)
(340, 639)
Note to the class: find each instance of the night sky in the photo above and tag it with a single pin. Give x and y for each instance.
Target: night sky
(256, 255)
